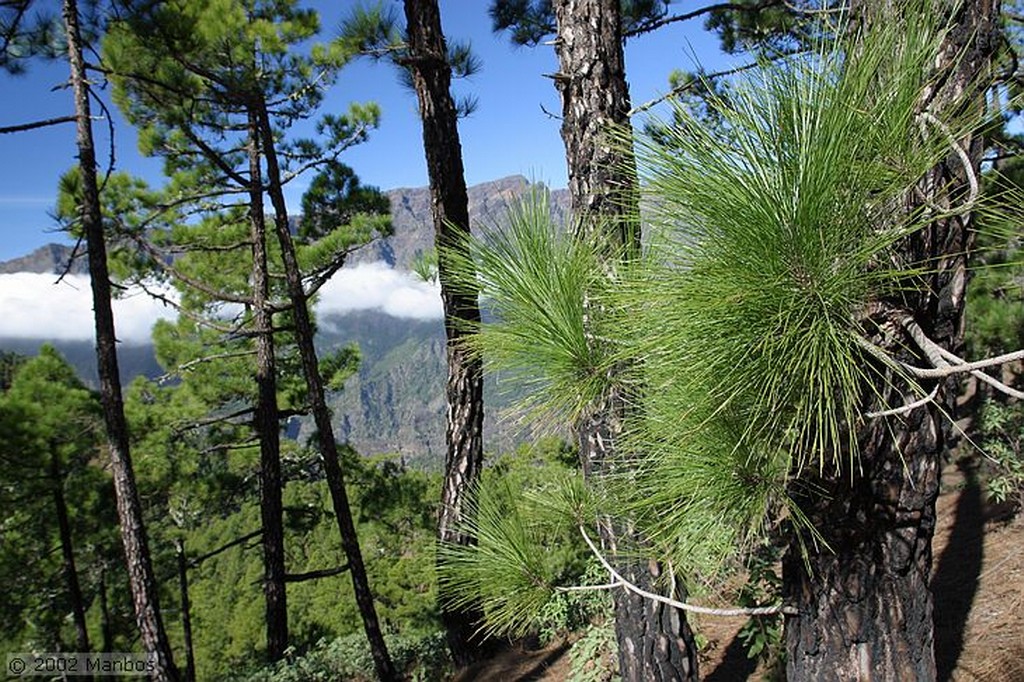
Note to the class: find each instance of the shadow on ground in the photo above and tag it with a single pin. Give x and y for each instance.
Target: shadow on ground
(955, 581)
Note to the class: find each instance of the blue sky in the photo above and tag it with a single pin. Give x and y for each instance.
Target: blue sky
(510, 133)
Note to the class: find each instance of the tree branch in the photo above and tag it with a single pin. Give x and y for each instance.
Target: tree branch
(223, 548)
(40, 124)
(314, 575)
(620, 581)
(653, 24)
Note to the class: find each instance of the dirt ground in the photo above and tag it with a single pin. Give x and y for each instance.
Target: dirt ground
(978, 582)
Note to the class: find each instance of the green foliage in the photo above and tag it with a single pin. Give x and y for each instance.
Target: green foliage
(594, 656)
(532, 277)
(762, 635)
(394, 511)
(425, 265)
(51, 430)
(339, 365)
(421, 658)
(334, 197)
(738, 336)
(524, 517)
(771, 235)
(1001, 438)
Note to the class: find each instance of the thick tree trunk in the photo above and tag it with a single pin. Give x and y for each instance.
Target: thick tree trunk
(655, 641)
(265, 417)
(145, 593)
(865, 609)
(431, 75)
(304, 338)
(68, 551)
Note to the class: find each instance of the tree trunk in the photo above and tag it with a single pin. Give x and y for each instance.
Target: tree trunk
(106, 629)
(655, 641)
(865, 609)
(68, 552)
(449, 208)
(265, 418)
(145, 593)
(186, 613)
(304, 338)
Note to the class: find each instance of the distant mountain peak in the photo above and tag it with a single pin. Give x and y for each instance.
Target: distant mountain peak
(50, 259)
(411, 221)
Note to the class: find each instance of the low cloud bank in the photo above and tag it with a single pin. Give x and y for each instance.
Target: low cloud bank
(376, 286)
(34, 306)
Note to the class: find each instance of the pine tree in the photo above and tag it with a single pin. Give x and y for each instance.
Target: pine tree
(145, 592)
(264, 83)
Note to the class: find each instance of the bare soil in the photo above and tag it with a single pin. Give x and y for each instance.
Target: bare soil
(977, 580)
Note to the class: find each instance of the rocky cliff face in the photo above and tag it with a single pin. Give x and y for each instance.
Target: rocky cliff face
(396, 401)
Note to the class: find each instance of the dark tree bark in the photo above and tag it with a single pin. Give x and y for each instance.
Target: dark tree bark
(428, 63)
(265, 416)
(106, 628)
(145, 592)
(655, 641)
(865, 609)
(68, 551)
(186, 613)
(304, 338)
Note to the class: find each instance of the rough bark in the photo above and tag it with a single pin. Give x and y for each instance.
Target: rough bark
(304, 339)
(655, 641)
(265, 415)
(865, 609)
(68, 551)
(145, 593)
(449, 207)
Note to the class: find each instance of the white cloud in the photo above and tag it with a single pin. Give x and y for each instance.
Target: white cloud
(376, 286)
(33, 306)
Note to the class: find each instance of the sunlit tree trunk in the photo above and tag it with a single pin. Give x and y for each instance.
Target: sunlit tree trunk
(145, 592)
(449, 208)
(865, 609)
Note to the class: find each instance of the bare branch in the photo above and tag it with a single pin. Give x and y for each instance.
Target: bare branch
(649, 26)
(223, 548)
(756, 611)
(977, 373)
(683, 87)
(40, 124)
(965, 159)
(908, 408)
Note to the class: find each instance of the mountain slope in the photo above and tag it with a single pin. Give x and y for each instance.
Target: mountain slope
(396, 401)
